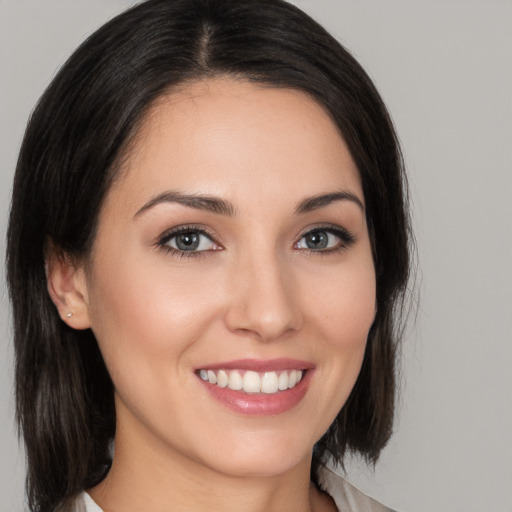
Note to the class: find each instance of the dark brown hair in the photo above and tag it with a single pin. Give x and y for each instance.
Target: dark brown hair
(69, 157)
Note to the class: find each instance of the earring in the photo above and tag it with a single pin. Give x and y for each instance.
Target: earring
(69, 315)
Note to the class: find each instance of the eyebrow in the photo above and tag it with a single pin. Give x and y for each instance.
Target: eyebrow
(314, 203)
(223, 207)
(208, 203)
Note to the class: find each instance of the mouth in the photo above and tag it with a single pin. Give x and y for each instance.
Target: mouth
(257, 387)
(248, 381)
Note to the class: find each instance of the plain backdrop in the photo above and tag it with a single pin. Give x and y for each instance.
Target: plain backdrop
(444, 68)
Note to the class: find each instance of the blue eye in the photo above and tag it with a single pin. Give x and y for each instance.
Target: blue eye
(188, 240)
(325, 239)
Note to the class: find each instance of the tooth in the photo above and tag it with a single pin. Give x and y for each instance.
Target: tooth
(283, 381)
(252, 382)
(222, 379)
(269, 382)
(235, 381)
(292, 379)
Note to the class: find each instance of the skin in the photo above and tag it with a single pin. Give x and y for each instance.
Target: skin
(256, 292)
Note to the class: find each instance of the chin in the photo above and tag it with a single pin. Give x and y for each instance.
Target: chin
(262, 456)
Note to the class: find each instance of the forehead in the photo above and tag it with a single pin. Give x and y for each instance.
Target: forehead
(225, 137)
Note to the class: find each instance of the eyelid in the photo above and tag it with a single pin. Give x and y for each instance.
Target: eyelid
(162, 241)
(346, 237)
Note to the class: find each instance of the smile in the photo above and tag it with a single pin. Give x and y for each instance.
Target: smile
(248, 381)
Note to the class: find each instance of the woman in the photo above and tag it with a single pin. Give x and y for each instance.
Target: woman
(207, 251)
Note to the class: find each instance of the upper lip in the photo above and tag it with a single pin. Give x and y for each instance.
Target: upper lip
(260, 365)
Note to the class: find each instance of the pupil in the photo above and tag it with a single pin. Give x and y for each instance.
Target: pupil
(187, 241)
(317, 240)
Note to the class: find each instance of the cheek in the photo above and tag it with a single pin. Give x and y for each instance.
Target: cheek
(140, 313)
(342, 309)
(344, 303)
(147, 323)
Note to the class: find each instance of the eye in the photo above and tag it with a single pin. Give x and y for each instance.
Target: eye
(325, 239)
(188, 240)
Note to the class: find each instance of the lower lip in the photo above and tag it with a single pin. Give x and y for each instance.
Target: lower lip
(260, 404)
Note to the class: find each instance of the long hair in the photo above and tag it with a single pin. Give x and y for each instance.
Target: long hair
(73, 147)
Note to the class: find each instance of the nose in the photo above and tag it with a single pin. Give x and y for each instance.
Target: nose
(264, 302)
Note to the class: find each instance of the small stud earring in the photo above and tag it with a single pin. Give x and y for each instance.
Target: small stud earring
(69, 315)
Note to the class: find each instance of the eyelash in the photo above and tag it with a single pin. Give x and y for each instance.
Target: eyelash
(163, 241)
(346, 240)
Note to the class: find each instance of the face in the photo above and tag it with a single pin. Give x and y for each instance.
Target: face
(231, 285)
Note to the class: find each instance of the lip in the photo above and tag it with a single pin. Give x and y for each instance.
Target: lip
(260, 404)
(260, 365)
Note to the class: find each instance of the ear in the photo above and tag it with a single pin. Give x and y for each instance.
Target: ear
(68, 289)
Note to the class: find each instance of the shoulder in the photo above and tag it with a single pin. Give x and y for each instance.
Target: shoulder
(345, 495)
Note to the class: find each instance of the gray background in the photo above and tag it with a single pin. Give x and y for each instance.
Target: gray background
(444, 69)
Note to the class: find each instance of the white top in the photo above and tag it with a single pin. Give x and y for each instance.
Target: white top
(345, 495)
(85, 503)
